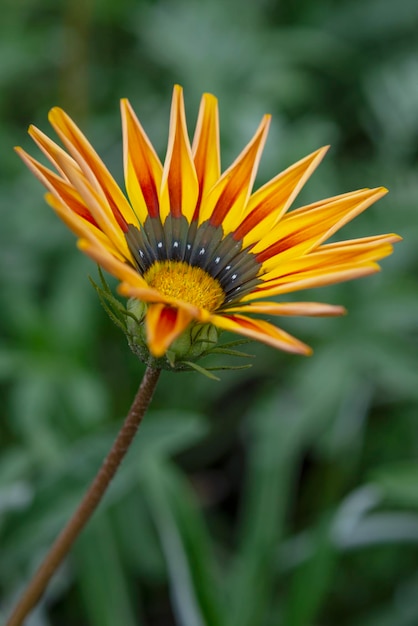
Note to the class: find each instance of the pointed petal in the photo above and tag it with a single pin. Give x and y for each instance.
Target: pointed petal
(229, 197)
(93, 167)
(143, 169)
(113, 265)
(206, 150)
(57, 186)
(163, 325)
(301, 231)
(267, 205)
(81, 227)
(354, 244)
(98, 207)
(310, 309)
(261, 331)
(179, 186)
(315, 278)
(50, 148)
(326, 257)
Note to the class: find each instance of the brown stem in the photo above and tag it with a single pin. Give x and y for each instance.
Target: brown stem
(91, 499)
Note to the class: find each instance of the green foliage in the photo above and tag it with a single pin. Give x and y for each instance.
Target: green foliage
(282, 495)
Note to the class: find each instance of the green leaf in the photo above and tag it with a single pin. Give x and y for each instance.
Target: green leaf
(311, 582)
(102, 579)
(186, 545)
(271, 467)
(399, 483)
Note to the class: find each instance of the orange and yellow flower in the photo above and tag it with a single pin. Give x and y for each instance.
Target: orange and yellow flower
(198, 245)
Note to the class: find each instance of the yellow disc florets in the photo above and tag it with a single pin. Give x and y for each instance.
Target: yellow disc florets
(178, 279)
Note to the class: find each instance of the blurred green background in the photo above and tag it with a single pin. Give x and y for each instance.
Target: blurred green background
(286, 494)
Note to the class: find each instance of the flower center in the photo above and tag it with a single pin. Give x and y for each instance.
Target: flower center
(191, 284)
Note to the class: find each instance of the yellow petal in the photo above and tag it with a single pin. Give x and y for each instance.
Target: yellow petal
(81, 227)
(58, 187)
(315, 278)
(50, 148)
(228, 199)
(143, 169)
(179, 186)
(299, 232)
(325, 257)
(98, 207)
(93, 167)
(163, 325)
(261, 331)
(112, 264)
(311, 309)
(353, 244)
(267, 205)
(206, 150)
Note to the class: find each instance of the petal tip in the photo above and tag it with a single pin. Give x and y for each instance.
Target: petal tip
(177, 90)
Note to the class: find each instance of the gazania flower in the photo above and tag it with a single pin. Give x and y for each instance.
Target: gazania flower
(197, 245)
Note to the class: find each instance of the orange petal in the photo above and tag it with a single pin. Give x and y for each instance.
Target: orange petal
(270, 202)
(324, 259)
(113, 265)
(57, 186)
(50, 148)
(331, 257)
(163, 325)
(143, 169)
(93, 167)
(228, 199)
(310, 279)
(311, 309)
(179, 186)
(98, 207)
(301, 231)
(206, 150)
(81, 227)
(261, 331)
(374, 241)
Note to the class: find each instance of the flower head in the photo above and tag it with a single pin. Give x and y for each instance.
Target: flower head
(198, 246)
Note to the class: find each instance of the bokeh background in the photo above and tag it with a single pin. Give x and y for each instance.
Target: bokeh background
(285, 494)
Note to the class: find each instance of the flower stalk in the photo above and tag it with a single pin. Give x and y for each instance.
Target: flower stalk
(90, 501)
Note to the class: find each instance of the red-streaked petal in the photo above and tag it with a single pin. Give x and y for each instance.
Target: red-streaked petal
(143, 169)
(179, 186)
(267, 205)
(324, 258)
(261, 330)
(57, 186)
(93, 167)
(50, 149)
(309, 309)
(229, 197)
(163, 325)
(299, 233)
(205, 149)
(81, 227)
(98, 207)
(315, 278)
